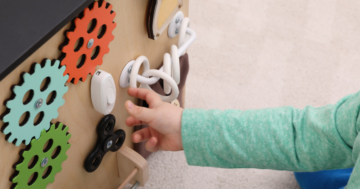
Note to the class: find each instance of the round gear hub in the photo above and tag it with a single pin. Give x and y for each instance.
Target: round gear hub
(42, 159)
(36, 102)
(87, 41)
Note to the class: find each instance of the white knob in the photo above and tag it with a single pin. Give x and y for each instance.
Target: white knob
(110, 96)
(103, 92)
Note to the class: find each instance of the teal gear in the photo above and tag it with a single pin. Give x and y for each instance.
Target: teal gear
(37, 104)
(47, 154)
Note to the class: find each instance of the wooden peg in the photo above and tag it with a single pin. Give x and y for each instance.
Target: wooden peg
(132, 167)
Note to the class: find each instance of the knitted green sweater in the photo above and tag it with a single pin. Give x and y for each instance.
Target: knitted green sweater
(284, 138)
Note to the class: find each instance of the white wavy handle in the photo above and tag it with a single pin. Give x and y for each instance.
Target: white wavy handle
(166, 76)
(170, 72)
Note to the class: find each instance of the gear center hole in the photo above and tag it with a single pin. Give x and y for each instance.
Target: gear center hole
(101, 31)
(32, 178)
(38, 118)
(81, 61)
(56, 152)
(95, 52)
(28, 96)
(47, 172)
(79, 43)
(91, 25)
(45, 84)
(51, 97)
(48, 145)
(33, 161)
(24, 118)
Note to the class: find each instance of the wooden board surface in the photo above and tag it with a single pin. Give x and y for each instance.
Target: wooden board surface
(131, 40)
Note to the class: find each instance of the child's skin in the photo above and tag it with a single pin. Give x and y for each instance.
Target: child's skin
(282, 138)
(164, 120)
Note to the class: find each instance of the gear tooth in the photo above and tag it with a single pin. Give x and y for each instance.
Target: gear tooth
(63, 68)
(26, 76)
(57, 64)
(9, 104)
(109, 7)
(66, 129)
(76, 81)
(17, 89)
(4, 119)
(37, 66)
(18, 142)
(66, 77)
(46, 128)
(70, 34)
(37, 136)
(62, 102)
(68, 138)
(56, 114)
(11, 138)
(69, 80)
(47, 63)
(86, 11)
(113, 15)
(16, 178)
(77, 20)
(27, 141)
(96, 4)
(7, 131)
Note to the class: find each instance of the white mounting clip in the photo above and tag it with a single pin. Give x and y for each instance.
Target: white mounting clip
(103, 92)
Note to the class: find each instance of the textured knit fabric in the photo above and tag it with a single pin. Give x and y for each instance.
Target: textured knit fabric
(328, 179)
(284, 138)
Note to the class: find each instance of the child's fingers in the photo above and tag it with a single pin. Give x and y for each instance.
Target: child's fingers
(149, 96)
(140, 113)
(131, 121)
(141, 135)
(151, 145)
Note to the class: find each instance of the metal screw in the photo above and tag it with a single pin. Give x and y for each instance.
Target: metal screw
(39, 103)
(177, 20)
(129, 70)
(90, 43)
(44, 162)
(109, 144)
(176, 31)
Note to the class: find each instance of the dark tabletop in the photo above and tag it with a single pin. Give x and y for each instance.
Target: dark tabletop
(27, 24)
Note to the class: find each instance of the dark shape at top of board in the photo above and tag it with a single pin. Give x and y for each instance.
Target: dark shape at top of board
(153, 27)
(25, 25)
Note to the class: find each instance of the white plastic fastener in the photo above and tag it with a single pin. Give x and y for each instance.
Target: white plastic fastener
(103, 92)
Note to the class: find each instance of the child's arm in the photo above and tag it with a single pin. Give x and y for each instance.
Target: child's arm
(283, 138)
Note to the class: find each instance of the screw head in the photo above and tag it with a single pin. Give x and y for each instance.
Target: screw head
(39, 103)
(129, 70)
(177, 31)
(90, 43)
(44, 162)
(109, 144)
(177, 20)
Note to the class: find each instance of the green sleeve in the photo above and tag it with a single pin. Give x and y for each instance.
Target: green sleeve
(284, 138)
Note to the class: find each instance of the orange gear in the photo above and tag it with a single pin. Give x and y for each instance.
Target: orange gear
(88, 42)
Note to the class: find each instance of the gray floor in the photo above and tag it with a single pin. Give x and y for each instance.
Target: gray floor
(263, 53)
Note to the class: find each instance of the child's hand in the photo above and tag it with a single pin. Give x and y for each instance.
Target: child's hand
(164, 120)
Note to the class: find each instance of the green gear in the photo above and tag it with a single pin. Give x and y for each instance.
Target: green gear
(56, 138)
(37, 105)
